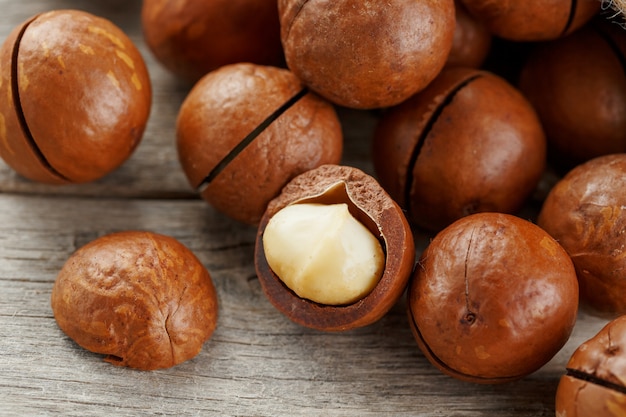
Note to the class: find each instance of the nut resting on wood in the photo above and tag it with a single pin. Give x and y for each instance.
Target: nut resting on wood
(371, 206)
(142, 299)
(75, 97)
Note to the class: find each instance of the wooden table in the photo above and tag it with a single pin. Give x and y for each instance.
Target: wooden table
(257, 363)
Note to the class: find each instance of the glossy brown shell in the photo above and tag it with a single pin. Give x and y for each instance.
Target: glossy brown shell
(75, 97)
(192, 38)
(228, 104)
(472, 41)
(363, 53)
(578, 86)
(595, 383)
(586, 213)
(140, 298)
(373, 207)
(493, 298)
(533, 20)
(470, 142)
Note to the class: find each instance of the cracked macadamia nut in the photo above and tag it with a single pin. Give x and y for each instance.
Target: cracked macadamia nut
(586, 212)
(532, 20)
(333, 250)
(245, 130)
(191, 38)
(75, 97)
(595, 382)
(470, 142)
(142, 299)
(366, 53)
(321, 252)
(577, 84)
(492, 299)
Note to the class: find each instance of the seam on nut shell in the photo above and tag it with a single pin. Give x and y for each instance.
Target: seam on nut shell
(452, 371)
(583, 376)
(249, 139)
(17, 103)
(424, 135)
(570, 18)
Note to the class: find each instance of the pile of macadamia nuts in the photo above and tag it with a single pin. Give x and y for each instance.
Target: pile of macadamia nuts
(478, 104)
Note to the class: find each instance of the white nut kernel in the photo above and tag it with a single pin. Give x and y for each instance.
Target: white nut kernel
(322, 253)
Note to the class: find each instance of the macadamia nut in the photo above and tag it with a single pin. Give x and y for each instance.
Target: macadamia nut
(323, 253)
(142, 299)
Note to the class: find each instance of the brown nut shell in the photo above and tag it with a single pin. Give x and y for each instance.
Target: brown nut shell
(229, 104)
(373, 207)
(533, 20)
(578, 86)
(364, 53)
(76, 97)
(493, 298)
(470, 142)
(586, 212)
(595, 383)
(472, 41)
(140, 298)
(192, 38)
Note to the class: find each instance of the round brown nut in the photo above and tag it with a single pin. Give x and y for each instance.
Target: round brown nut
(363, 53)
(75, 97)
(586, 212)
(245, 130)
(595, 383)
(142, 299)
(470, 142)
(192, 38)
(533, 20)
(577, 84)
(493, 298)
(472, 41)
(370, 206)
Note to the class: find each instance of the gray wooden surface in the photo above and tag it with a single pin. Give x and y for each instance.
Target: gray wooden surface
(258, 363)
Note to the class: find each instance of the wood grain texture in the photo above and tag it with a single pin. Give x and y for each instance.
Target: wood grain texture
(258, 363)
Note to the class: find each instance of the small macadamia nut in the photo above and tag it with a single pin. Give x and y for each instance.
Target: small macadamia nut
(191, 38)
(492, 299)
(245, 130)
(595, 382)
(142, 299)
(470, 142)
(75, 97)
(577, 84)
(586, 212)
(366, 53)
(533, 20)
(334, 188)
(321, 252)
